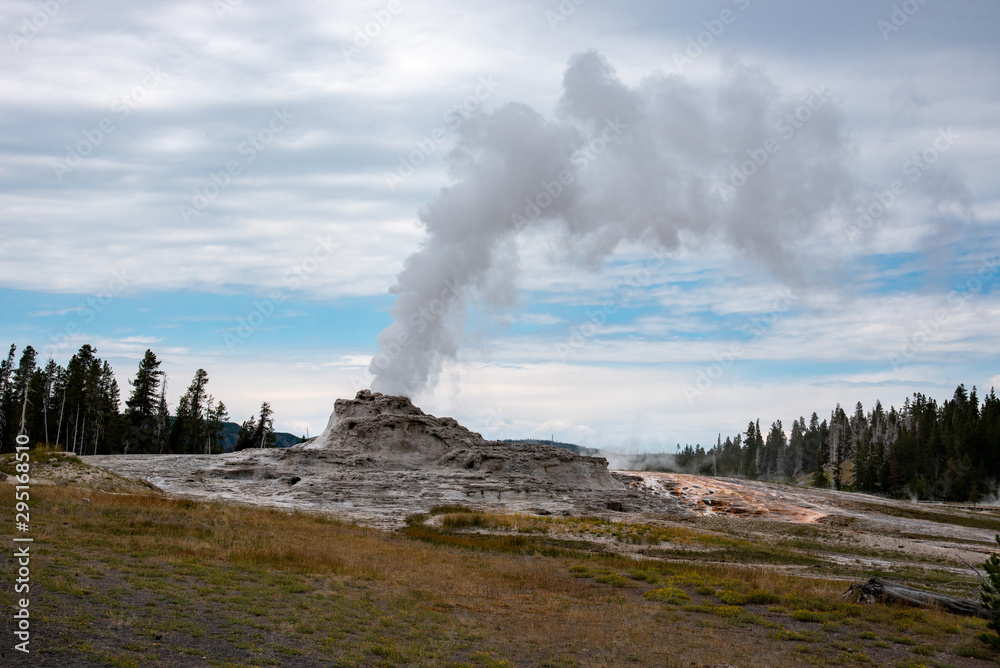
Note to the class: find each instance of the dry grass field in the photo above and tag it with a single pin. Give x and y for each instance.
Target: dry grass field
(140, 579)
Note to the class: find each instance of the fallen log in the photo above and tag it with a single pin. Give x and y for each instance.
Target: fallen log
(880, 591)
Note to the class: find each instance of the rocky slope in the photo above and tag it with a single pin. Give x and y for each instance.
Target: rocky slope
(381, 458)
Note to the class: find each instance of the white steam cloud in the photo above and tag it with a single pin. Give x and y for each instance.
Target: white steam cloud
(651, 164)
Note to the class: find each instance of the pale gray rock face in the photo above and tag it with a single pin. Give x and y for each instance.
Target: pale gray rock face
(401, 436)
(381, 459)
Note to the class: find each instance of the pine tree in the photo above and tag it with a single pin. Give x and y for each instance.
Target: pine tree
(264, 435)
(77, 397)
(758, 448)
(162, 434)
(59, 398)
(860, 447)
(839, 443)
(217, 416)
(752, 454)
(142, 406)
(6, 395)
(17, 400)
(179, 428)
(111, 418)
(244, 439)
(774, 449)
(94, 411)
(820, 479)
(34, 406)
(188, 432)
(145, 387)
(50, 374)
(796, 461)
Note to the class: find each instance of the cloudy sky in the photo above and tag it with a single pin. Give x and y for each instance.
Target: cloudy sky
(797, 207)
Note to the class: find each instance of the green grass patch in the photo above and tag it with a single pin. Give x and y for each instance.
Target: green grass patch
(973, 652)
(613, 579)
(786, 635)
(717, 610)
(671, 595)
(807, 616)
(751, 597)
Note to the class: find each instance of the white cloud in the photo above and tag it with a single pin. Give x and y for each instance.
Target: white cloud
(324, 177)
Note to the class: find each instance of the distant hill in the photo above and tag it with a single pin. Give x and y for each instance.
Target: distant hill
(578, 449)
(231, 430)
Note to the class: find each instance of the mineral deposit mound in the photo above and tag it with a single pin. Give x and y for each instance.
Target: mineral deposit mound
(398, 435)
(381, 459)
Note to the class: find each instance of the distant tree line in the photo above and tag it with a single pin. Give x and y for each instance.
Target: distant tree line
(78, 409)
(947, 452)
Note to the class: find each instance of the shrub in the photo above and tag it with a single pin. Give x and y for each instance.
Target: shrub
(450, 508)
(806, 616)
(973, 652)
(671, 595)
(646, 575)
(463, 520)
(717, 610)
(741, 598)
(613, 579)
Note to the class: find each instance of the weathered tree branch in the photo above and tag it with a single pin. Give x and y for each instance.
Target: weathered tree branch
(879, 591)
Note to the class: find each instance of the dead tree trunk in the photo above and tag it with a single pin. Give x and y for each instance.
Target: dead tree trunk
(879, 591)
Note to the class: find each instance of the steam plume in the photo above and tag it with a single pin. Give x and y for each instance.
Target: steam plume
(642, 164)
